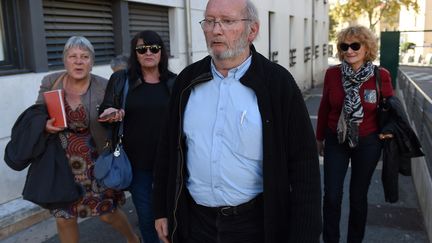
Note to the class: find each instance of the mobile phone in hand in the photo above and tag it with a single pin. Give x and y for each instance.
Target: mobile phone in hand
(107, 117)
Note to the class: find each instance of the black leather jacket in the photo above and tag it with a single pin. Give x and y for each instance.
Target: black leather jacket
(114, 96)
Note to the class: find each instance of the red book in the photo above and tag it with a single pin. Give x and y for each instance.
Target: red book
(54, 101)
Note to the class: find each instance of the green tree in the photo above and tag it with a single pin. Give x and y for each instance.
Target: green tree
(407, 45)
(332, 26)
(375, 10)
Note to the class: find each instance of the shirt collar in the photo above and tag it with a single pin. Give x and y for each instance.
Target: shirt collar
(236, 72)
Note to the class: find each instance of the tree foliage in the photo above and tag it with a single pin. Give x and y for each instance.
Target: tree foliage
(332, 26)
(375, 10)
(407, 45)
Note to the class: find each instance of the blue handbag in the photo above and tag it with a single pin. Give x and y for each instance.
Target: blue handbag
(113, 168)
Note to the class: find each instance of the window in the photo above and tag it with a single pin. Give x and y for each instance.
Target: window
(10, 50)
(306, 41)
(292, 44)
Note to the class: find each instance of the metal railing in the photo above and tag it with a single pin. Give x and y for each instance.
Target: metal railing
(419, 108)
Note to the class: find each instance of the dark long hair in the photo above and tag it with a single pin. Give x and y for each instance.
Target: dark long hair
(150, 38)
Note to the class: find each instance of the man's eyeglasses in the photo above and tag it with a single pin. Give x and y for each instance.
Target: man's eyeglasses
(143, 49)
(225, 24)
(354, 46)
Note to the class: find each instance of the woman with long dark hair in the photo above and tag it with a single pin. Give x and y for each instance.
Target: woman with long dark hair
(147, 99)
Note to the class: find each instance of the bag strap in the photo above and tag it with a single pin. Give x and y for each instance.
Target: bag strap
(378, 82)
(170, 84)
(125, 92)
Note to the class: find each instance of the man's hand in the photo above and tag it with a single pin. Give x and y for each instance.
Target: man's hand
(161, 226)
(50, 128)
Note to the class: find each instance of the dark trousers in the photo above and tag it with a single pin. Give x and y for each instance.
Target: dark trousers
(141, 191)
(364, 159)
(209, 225)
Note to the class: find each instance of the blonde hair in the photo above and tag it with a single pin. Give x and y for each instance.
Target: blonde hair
(364, 35)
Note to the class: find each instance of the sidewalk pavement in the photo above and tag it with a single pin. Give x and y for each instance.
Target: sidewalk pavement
(387, 223)
(92, 230)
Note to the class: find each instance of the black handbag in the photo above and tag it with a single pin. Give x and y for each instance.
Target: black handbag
(113, 168)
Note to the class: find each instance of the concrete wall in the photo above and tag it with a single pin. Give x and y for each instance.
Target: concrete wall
(20, 91)
(423, 183)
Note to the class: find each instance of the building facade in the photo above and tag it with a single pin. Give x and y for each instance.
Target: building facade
(33, 32)
(417, 28)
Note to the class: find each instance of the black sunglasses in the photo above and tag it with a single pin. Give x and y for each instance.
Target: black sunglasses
(143, 49)
(354, 46)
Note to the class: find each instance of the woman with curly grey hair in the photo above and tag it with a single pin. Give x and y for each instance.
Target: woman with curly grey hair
(150, 82)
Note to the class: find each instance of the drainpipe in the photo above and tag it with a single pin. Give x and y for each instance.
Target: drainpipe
(313, 44)
(188, 32)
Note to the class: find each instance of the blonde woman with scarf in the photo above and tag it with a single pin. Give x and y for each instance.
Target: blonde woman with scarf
(347, 130)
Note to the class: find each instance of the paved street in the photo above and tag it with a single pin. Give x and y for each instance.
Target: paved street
(92, 230)
(387, 223)
(422, 76)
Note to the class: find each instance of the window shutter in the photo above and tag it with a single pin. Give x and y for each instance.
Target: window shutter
(149, 17)
(91, 19)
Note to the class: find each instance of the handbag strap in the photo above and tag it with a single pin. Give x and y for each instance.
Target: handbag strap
(378, 82)
(125, 92)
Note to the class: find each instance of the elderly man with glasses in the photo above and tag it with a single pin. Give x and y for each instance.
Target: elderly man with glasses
(237, 161)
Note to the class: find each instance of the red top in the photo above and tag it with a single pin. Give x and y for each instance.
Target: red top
(333, 97)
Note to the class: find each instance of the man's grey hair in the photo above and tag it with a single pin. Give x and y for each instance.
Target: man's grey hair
(119, 62)
(251, 13)
(79, 42)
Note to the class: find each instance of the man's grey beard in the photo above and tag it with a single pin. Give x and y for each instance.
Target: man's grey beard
(238, 49)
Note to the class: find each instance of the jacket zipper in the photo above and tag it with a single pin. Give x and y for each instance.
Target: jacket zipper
(178, 193)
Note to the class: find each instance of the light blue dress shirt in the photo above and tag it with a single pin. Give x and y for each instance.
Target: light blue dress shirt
(223, 130)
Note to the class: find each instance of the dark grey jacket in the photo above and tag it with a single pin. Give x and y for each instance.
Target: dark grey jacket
(114, 95)
(398, 151)
(49, 182)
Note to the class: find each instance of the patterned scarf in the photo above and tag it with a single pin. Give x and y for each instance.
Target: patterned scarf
(352, 111)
